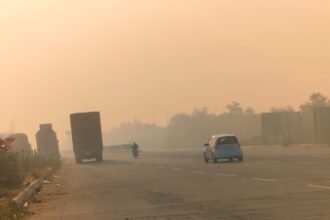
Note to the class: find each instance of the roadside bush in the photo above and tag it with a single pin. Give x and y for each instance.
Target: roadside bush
(39, 166)
(15, 167)
(12, 170)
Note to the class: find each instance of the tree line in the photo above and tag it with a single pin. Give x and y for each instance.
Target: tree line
(189, 130)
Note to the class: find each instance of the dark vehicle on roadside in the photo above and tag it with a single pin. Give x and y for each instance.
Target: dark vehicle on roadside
(87, 136)
(20, 143)
(47, 142)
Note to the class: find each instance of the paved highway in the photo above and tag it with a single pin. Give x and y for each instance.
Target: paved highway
(272, 183)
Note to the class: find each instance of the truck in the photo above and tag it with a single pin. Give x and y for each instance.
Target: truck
(47, 142)
(86, 134)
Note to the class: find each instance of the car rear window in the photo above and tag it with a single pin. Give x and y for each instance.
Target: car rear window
(227, 140)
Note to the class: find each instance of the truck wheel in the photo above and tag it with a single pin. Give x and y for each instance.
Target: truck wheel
(78, 160)
(99, 158)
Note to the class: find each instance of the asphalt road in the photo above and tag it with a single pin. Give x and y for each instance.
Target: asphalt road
(272, 183)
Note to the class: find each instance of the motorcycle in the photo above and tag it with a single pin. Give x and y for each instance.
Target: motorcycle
(135, 154)
(135, 150)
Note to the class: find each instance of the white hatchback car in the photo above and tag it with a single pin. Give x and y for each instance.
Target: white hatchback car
(225, 146)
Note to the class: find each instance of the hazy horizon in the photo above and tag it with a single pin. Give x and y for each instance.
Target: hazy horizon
(148, 60)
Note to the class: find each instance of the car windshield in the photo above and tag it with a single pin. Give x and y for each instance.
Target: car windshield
(227, 140)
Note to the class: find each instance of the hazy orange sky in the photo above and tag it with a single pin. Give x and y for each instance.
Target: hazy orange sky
(143, 58)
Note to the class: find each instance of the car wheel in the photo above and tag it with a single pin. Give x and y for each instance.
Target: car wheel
(240, 159)
(231, 159)
(214, 159)
(205, 158)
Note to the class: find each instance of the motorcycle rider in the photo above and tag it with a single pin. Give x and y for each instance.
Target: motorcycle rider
(135, 149)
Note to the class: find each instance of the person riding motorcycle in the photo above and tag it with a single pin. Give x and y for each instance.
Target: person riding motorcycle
(135, 149)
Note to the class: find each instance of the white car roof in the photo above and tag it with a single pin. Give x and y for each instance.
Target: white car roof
(223, 135)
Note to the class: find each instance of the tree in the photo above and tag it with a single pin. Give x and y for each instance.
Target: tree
(315, 100)
(200, 112)
(234, 108)
(249, 111)
(145, 134)
(6, 143)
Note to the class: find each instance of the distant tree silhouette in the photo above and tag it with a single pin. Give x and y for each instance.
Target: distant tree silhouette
(145, 134)
(191, 130)
(315, 100)
(234, 108)
(249, 111)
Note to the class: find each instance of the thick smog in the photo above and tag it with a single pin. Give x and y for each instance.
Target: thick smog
(164, 110)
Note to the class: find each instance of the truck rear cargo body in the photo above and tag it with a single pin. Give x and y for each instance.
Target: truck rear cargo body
(87, 136)
(47, 143)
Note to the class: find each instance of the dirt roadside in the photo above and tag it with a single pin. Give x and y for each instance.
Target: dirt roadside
(8, 209)
(54, 187)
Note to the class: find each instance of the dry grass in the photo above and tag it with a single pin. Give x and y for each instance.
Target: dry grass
(7, 211)
(16, 173)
